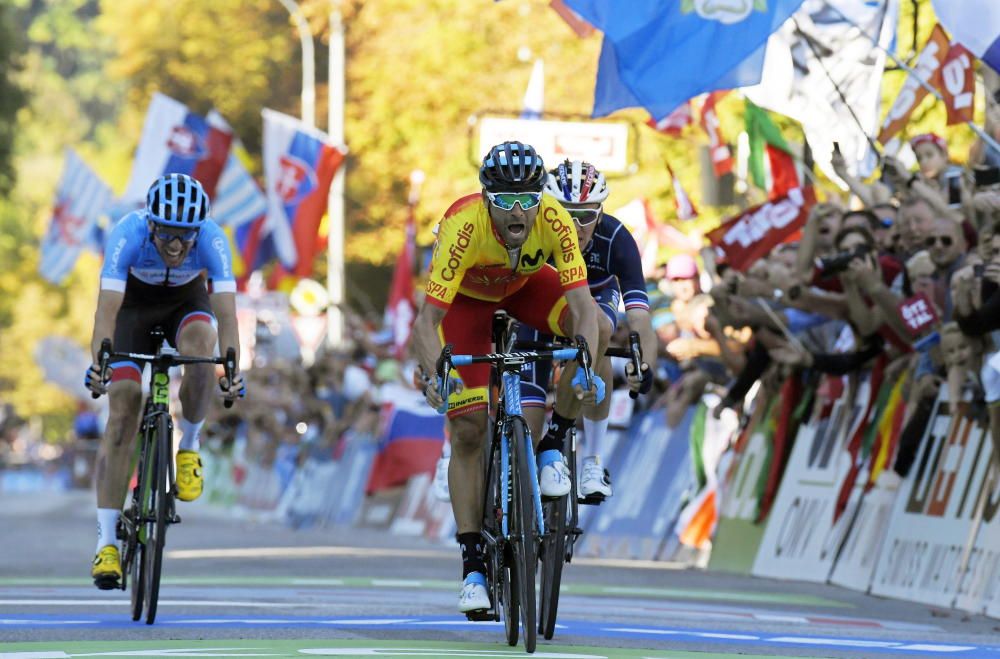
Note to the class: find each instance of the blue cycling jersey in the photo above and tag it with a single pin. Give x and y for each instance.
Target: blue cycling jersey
(612, 254)
(130, 251)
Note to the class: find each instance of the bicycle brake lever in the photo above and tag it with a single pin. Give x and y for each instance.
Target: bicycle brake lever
(635, 347)
(583, 357)
(103, 357)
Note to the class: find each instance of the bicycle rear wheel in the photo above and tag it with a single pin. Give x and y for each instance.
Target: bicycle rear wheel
(550, 564)
(522, 530)
(156, 530)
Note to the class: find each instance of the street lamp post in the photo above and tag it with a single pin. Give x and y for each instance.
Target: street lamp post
(335, 202)
(308, 63)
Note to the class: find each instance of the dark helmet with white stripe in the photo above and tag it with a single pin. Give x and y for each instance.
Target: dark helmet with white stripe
(512, 167)
(177, 200)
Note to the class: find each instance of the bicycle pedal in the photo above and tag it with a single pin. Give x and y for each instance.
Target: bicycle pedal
(479, 615)
(176, 519)
(595, 499)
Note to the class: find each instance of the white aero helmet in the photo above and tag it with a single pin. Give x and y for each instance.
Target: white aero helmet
(577, 182)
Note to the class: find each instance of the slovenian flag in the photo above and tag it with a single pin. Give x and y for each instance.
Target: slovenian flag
(177, 141)
(974, 24)
(411, 440)
(299, 165)
(80, 198)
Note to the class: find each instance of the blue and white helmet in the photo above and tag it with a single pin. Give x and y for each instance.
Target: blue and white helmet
(577, 182)
(177, 200)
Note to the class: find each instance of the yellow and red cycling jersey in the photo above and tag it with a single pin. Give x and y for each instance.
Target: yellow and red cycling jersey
(470, 259)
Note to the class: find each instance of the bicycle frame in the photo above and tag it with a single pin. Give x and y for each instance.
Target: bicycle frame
(511, 406)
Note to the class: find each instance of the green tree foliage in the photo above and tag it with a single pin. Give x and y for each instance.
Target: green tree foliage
(12, 97)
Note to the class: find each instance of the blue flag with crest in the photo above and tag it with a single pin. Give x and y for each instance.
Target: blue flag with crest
(659, 53)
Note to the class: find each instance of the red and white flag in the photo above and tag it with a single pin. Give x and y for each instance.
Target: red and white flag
(927, 68)
(722, 157)
(685, 209)
(400, 310)
(957, 82)
(675, 122)
(80, 198)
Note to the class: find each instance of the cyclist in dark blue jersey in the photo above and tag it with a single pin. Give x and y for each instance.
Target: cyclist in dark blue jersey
(614, 273)
(167, 265)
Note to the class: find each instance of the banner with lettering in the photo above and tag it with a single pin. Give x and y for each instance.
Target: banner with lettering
(957, 83)
(934, 516)
(756, 231)
(927, 68)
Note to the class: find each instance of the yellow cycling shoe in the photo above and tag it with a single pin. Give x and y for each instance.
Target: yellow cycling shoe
(190, 480)
(107, 568)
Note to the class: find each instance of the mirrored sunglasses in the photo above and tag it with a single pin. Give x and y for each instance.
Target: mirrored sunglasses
(506, 200)
(585, 216)
(167, 236)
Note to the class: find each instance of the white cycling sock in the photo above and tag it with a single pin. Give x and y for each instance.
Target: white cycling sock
(594, 432)
(107, 520)
(190, 431)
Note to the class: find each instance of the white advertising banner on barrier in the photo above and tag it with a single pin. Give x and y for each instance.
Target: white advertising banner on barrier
(803, 530)
(980, 588)
(857, 560)
(933, 517)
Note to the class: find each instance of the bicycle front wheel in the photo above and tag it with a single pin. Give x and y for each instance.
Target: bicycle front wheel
(141, 508)
(550, 564)
(156, 533)
(522, 528)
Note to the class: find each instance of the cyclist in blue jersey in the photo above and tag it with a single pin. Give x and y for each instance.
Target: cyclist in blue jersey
(167, 265)
(614, 273)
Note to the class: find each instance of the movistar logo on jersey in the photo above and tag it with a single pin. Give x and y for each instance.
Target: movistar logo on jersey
(724, 11)
(532, 261)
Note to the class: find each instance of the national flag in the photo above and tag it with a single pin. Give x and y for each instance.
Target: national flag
(659, 54)
(573, 19)
(410, 440)
(927, 68)
(685, 209)
(957, 84)
(238, 203)
(80, 197)
(299, 166)
(400, 310)
(889, 426)
(534, 96)
(675, 122)
(822, 70)
(975, 24)
(751, 235)
(764, 134)
(176, 140)
(722, 156)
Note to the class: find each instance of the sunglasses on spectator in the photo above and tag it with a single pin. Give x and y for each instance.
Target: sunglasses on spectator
(506, 200)
(585, 216)
(945, 241)
(168, 236)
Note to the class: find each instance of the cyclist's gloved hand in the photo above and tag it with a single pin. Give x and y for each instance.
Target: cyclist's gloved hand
(92, 380)
(639, 383)
(234, 390)
(432, 392)
(581, 393)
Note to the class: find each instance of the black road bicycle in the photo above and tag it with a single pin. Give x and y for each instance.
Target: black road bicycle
(513, 521)
(142, 526)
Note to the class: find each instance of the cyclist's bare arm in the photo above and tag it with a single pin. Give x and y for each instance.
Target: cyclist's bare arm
(426, 342)
(224, 308)
(583, 316)
(108, 304)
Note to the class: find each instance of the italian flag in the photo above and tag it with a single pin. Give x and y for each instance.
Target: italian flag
(779, 175)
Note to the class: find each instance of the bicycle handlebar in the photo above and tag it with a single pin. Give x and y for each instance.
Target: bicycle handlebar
(633, 352)
(106, 354)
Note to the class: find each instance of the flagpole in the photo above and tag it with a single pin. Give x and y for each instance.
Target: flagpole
(983, 135)
(308, 63)
(335, 201)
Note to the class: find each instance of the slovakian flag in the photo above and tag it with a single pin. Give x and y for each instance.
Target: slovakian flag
(675, 122)
(400, 310)
(80, 198)
(410, 441)
(722, 156)
(177, 141)
(299, 166)
(685, 209)
(975, 24)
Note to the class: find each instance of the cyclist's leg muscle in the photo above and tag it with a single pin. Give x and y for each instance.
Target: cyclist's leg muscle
(197, 336)
(115, 452)
(465, 470)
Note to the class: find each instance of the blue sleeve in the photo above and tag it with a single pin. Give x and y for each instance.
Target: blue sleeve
(799, 321)
(925, 366)
(626, 264)
(215, 257)
(120, 252)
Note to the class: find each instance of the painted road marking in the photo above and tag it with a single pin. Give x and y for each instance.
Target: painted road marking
(569, 627)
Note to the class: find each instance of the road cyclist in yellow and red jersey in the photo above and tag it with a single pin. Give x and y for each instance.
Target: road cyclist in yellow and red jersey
(492, 253)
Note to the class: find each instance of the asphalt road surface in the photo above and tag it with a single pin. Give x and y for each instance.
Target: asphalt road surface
(235, 586)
